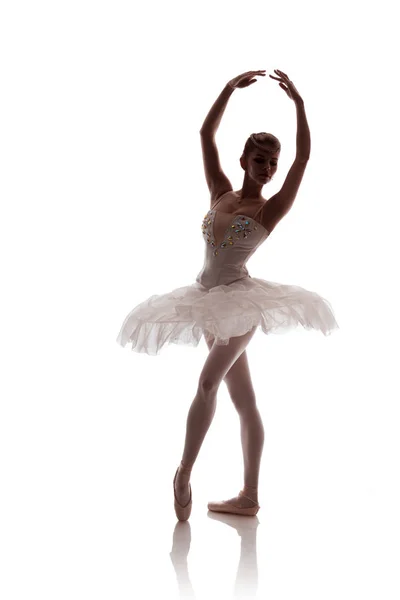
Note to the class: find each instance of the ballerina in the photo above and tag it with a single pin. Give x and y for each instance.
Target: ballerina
(226, 304)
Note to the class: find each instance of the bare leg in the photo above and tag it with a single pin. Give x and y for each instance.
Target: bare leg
(240, 387)
(252, 438)
(202, 410)
(199, 419)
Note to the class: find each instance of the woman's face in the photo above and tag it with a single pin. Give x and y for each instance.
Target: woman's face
(262, 165)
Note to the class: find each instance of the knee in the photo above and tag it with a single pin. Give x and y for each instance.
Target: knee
(244, 403)
(207, 386)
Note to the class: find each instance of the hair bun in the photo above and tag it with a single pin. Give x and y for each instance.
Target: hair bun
(265, 140)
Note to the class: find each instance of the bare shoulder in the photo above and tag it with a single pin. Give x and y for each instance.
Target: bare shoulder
(220, 187)
(271, 213)
(280, 203)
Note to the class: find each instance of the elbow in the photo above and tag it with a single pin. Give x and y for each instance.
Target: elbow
(303, 158)
(207, 131)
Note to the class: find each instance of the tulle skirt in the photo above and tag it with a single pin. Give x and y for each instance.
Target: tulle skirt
(183, 315)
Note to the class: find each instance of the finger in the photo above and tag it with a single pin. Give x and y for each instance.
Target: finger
(272, 77)
(281, 73)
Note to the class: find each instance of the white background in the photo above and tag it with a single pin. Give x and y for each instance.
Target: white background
(102, 198)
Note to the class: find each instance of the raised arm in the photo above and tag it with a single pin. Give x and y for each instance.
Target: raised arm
(213, 119)
(217, 181)
(280, 204)
(214, 174)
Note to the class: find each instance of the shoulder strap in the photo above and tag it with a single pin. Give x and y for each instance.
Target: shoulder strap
(258, 212)
(218, 199)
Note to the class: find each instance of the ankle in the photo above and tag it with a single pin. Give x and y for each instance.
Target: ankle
(251, 491)
(185, 468)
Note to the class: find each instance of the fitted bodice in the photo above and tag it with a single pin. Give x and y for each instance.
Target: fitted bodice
(225, 260)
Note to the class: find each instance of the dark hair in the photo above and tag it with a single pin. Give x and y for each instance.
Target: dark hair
(264, 141)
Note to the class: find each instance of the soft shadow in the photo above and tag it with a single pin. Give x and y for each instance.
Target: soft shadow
(181, 540)
(246, 582)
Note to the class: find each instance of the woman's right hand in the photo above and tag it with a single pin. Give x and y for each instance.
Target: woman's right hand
(245, 79)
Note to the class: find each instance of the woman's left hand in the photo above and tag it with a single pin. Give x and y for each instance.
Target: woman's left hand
(289, 88)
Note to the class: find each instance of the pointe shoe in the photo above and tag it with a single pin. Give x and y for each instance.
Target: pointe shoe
(182, 512)
(226, 506)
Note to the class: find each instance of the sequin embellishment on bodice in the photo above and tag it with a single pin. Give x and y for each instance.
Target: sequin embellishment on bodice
(239, 228)
(225, 262)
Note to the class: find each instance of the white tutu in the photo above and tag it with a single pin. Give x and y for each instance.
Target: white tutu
(225, 301)
(183, 315)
